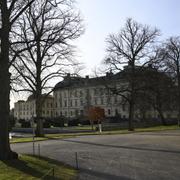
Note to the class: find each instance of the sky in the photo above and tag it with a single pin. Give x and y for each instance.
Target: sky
(102, 17)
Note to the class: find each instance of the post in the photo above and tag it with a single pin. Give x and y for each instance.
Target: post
(53, 172)
(33, 132)
(77, 165)
(33, 147)
(100, 127)
(39, 150)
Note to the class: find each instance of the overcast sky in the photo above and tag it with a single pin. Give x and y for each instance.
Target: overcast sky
(102, 17)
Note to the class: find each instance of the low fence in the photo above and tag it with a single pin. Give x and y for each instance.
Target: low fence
(140, 124)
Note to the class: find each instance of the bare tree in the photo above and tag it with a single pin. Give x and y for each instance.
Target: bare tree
(10, 11)
(47, 30)
(168, 60)
(156, 92)
(130, 47)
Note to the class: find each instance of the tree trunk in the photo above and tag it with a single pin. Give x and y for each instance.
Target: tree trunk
(5, 151)
(131, 116)
(163, 121)
(132, 95)
(39, 128)
(100, 127)
(178, 75)
(92, 125)
(39, 102)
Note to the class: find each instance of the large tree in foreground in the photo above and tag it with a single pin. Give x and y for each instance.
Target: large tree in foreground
(10, 11)
(47, 30)
(130, 47)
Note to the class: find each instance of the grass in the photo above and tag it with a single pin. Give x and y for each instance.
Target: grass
(110, 132)
(32, 168)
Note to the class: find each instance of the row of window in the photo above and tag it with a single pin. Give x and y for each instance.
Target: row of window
(27, 113)
(94, 101)
(29, 107)
(81, 112)
(71, 113)
(81, 93)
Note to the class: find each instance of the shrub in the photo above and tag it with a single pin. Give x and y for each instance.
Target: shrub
(58, 122)
(73, 122)
(25, 124)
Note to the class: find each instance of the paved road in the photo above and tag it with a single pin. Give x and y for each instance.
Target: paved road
(140, 156)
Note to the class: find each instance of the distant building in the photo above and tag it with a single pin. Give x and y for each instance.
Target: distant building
(27, 109)
(74, 95)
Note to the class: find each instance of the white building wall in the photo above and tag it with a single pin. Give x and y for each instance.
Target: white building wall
(27, 109)
(73, 101)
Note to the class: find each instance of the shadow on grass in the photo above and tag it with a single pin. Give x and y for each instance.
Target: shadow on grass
(53, 161)
(25, 168)
(103, 175)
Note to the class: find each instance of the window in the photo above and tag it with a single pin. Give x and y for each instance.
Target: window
(81, 102)
(76, 112)
(101, 91)
(80, 93)
(70, 94)
(95, 101)
(123, 107)
(60, 102)
(65, 103)
(116, 112)
(65, 113)
(81, 112)
(102, 101)
(109, 112)
(95, 91)
(76, 102)
(115, 99)
(71, 104)
(75, 93)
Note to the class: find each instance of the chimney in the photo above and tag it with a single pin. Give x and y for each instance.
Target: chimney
(67, 77)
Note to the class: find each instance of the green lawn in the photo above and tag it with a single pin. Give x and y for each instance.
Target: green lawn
(31, 168)
(70, 135)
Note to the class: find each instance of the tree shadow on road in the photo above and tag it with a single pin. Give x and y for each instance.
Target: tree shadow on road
(123, 147)
(159, 134)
